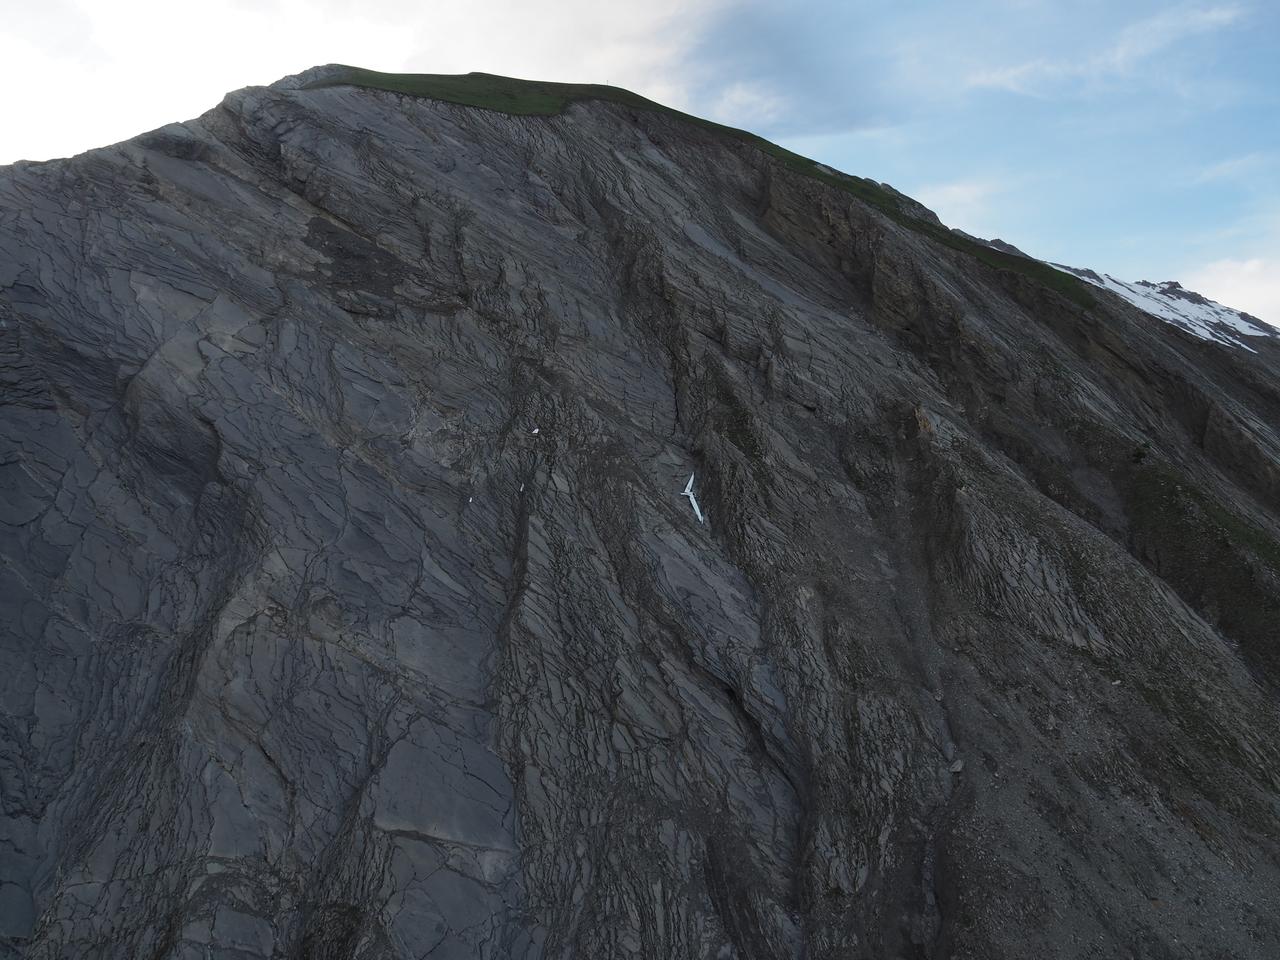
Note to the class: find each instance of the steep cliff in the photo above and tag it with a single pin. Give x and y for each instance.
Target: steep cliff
(351, 607)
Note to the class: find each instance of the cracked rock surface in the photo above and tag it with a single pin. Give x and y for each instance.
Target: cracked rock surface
(350, 606)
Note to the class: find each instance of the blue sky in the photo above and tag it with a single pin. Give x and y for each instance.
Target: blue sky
(1134, 137)
(1138, 138)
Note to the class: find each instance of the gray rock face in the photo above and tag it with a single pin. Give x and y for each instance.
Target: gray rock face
(351, 607)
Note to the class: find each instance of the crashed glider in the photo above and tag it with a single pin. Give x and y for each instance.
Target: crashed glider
(688, 492)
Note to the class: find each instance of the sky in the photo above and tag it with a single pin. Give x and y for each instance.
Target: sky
(1135, 137)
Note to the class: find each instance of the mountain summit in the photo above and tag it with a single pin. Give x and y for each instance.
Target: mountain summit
(463, 517)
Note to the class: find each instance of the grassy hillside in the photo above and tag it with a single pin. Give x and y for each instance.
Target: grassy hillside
(538, 98)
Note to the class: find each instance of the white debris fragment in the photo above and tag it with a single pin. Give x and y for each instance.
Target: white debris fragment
(688, 492)
(535, 429)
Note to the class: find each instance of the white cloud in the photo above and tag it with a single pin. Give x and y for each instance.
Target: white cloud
(747, 105)
(1144, 39)
(1233, 168)
(1251, 285)
(966, 204)
(81, 73)
(1025, 78)
(1131, 48)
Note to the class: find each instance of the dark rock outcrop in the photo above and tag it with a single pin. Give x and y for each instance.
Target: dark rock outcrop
(351, 609)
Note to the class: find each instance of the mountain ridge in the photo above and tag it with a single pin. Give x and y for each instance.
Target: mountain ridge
(528, 97)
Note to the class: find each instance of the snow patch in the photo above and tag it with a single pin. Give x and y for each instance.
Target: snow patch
(1184, 309)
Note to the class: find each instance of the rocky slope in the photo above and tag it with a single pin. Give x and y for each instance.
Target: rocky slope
(351, 607)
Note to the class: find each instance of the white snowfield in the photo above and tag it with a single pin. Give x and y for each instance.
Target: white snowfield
(1183, 308)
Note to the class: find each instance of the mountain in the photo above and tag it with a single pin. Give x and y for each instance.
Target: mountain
(353, 606)
(1169, 301)
(1185, 309)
